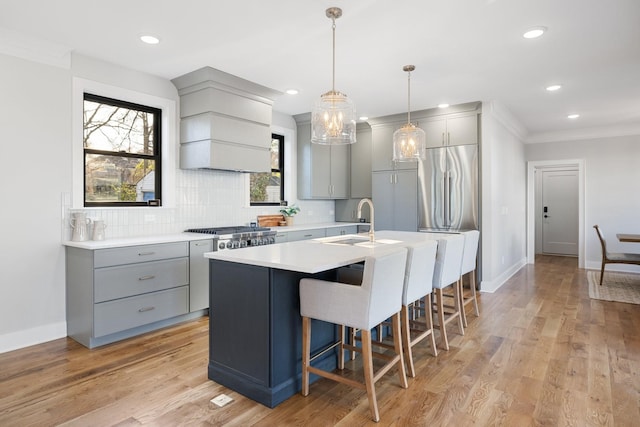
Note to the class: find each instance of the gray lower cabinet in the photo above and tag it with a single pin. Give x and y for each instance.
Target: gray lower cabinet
(282, 237)
(395, 197)
(314, 233)
(341, 231)
(117, 293)
(199, 274)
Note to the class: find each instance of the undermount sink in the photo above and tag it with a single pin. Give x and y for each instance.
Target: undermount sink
(349, 241)
(359, 241)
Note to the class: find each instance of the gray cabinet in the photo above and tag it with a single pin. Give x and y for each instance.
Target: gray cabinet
(395, 198)
(314, 233)
(199, 274)
(382, 148)
(455, 129)
(117, 293)
(323, 170)
(341, 231)
(361, 163)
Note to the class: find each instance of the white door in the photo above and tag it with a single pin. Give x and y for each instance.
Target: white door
(560, 212)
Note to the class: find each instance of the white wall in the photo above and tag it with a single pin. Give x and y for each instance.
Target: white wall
(612, 194)
(503, 203)
(35, 111)
(36, 185)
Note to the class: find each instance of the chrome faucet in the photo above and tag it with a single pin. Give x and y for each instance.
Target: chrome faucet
(360, 204)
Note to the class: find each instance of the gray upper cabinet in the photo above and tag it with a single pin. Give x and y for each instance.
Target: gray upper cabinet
(361, 163)
(382, 147)
(323, 170)
(451, 130)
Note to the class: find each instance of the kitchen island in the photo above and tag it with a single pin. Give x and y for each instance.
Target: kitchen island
(255, 323)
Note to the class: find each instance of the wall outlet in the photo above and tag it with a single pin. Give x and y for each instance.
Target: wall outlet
(221, 400)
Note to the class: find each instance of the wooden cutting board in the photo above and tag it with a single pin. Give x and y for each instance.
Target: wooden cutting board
(270, 220)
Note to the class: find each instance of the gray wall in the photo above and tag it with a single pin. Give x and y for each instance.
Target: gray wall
(612, 191)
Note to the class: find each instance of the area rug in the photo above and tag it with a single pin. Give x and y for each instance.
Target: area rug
(621, 287)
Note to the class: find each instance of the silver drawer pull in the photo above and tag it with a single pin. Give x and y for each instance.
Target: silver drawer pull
(147, 277)
(145, 253)
(308, 235)
(143, 309)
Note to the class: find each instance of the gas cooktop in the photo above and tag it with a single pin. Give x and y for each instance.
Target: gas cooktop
(223, 231)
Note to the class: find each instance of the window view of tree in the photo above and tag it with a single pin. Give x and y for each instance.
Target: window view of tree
(267, 188)
(121, 152)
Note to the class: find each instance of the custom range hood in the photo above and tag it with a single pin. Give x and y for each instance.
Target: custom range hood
(225, 122)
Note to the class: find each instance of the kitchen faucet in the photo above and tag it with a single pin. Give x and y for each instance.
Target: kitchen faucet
(360, 204)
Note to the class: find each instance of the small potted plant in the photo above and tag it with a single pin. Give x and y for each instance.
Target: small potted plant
(289, 212)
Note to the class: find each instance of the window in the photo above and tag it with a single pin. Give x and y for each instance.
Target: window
(267, 188)
(121, 143)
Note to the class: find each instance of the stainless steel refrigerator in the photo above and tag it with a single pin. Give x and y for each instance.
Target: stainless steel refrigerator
(448, 189)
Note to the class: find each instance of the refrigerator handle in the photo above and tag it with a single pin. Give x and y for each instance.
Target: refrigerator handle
(447, 200)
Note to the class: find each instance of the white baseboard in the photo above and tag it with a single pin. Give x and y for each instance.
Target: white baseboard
(29, 337)
(490, 286)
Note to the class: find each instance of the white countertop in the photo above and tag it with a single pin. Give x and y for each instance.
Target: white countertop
(181, 237)
(316, 255)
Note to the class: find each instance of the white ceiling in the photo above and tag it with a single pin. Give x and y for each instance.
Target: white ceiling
(463, 50)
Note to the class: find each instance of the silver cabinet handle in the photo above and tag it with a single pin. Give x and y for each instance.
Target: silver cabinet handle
(202, 244)
(147, 277)
(391, 179)
(308, 235)
(143, 309)
(145, 253)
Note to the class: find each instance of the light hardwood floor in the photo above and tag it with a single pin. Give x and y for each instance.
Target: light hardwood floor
(541, 353)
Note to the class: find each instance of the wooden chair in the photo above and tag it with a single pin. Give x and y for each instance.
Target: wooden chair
(363, 307)
(614, 257)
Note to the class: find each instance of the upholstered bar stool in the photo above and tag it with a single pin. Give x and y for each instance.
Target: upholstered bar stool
(418, 284)
(447, 274)
(363, 307)
(471, 239)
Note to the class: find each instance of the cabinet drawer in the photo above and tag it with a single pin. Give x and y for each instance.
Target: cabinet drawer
(133, 254)
(128, 280)
(127, 313)
(305, 234)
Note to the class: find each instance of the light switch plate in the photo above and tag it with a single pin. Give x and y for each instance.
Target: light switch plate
(221, 400)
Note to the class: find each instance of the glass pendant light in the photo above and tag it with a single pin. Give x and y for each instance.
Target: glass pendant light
(333, 120)
(409, 140)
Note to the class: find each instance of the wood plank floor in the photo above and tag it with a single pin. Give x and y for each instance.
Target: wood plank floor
(541, 353)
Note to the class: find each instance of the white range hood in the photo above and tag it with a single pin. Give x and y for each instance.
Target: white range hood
(225, 122)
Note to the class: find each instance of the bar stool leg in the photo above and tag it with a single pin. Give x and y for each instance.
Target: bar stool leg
(463, 314)
(306, 354)
(367, 361)
(428, 315)
(406, 341)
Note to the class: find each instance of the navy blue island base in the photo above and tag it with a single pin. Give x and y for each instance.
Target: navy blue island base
(255, 331)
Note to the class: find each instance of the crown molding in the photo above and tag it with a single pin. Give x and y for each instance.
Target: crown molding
(585, 133)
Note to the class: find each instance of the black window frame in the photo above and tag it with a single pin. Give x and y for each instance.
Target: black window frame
(156, 156)
(280, 138)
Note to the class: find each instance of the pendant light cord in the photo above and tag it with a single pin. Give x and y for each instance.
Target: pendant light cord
(409, 97)
(333, 81)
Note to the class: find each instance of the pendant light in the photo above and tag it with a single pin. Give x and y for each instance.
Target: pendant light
(409, 140)
(333, 120)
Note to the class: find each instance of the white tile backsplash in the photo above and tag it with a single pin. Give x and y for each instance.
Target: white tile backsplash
(204, 198)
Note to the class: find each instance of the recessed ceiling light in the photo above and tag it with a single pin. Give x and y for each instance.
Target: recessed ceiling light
(292, 91)
(573, 116)
(363, 118)
(443, 105)
(534, 32)
(149, 39)
(553, 88)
